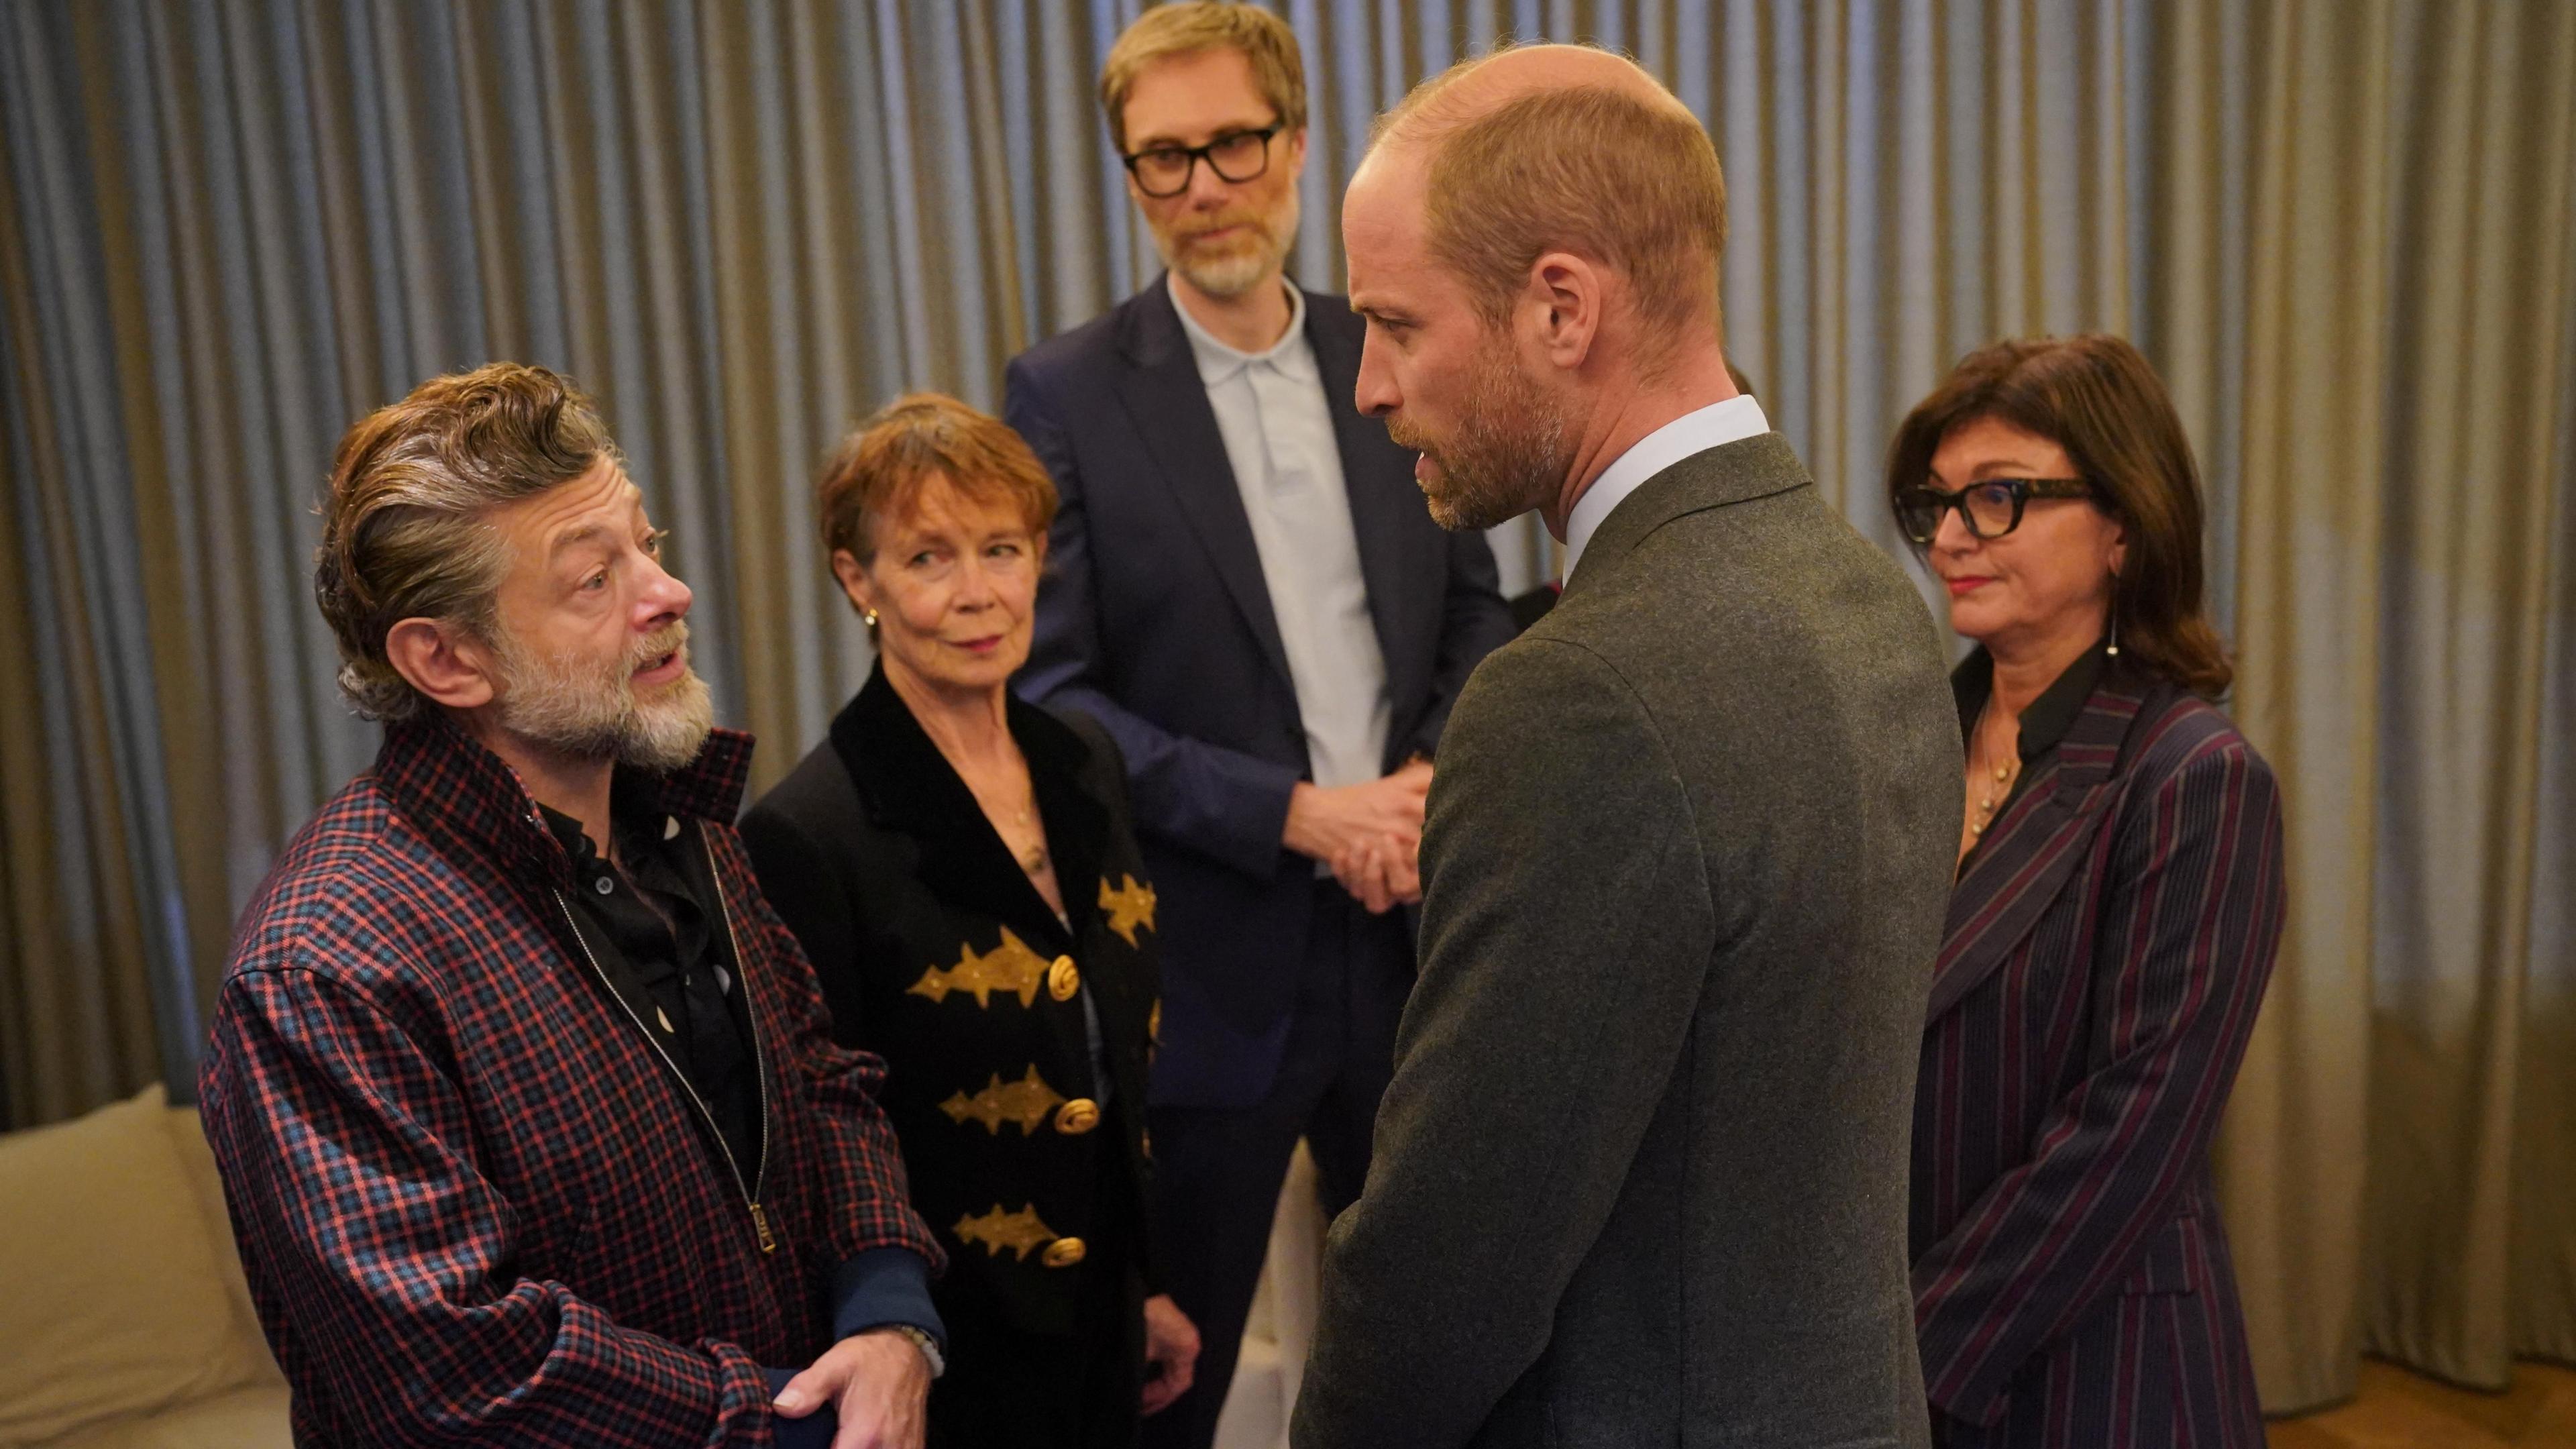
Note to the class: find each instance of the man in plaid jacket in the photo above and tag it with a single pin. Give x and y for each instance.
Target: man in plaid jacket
(529, 1123)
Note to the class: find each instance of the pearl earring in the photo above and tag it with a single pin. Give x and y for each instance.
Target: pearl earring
(869, 617)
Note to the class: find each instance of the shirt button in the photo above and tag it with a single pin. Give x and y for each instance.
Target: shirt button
(605, 885)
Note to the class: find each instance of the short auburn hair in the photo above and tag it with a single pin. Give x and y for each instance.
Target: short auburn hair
(1587, 169)
(1192, 26)
(406, 519)
(881, 468)
(2098, 398)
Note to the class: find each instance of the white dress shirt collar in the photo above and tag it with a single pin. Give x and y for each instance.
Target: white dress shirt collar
(1219, 361)
(1714, 426)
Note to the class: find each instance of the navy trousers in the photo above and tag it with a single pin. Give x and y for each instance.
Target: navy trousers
(1217, 1172)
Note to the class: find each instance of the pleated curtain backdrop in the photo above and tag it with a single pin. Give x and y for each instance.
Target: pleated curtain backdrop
(2343, 229)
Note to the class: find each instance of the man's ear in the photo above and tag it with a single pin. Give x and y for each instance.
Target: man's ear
(1567, 293)
(443, 661)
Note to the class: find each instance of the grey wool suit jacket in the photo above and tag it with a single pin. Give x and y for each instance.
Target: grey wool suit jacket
(1641, 1175)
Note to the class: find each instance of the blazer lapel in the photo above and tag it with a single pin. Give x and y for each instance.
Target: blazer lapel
(2016, 872)
(1168, 404)
(909, 787)
(1377, 514)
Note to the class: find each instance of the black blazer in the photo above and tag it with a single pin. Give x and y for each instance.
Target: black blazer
(936, 953)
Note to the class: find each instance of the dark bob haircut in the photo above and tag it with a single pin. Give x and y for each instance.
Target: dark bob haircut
(2095, 396)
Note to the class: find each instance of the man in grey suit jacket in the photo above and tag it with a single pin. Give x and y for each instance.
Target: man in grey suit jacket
(1641, 1175)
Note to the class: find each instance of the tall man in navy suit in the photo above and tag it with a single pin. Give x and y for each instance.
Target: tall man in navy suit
(1244, 586)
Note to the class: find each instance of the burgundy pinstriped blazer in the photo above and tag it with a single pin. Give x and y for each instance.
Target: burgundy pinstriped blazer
(2107, 946)
(475, 1203)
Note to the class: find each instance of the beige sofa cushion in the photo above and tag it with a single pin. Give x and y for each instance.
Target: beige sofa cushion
(252, 1362)
(254, 1418)
(116, 1301)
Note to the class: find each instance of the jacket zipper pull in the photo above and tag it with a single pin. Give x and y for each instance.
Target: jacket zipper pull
(760, 1221)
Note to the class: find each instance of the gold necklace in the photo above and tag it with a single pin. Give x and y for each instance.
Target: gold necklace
(1034, 859)
(1999, 790)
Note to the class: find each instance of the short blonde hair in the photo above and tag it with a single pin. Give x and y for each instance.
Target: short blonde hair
(1585, 169)
(1192, 26)
(406, 523)
(880, 469)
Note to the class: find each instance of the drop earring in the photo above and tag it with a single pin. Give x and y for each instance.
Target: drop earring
(869, 618)
(2114, 651)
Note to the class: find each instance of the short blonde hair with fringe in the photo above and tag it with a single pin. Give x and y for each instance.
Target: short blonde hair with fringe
(1193, 26)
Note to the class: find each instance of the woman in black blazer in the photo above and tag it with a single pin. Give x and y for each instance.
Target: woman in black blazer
(959, 866)
(2118, 903)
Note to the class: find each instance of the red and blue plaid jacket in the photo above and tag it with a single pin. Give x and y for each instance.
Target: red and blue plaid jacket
(476, 1204)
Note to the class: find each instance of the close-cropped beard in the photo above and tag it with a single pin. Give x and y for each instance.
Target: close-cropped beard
(1511, 452)
(590, 712)
(1240, 266)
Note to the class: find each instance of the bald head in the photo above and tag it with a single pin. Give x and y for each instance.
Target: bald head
(1563, 148)
(1475, 88)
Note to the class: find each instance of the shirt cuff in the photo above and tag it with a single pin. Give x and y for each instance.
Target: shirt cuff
(882, 1287)
(814, 1431)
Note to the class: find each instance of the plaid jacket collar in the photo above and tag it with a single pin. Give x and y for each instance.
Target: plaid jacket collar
(459, 793)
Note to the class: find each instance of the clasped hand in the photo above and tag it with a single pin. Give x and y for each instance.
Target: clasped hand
(1369, 834)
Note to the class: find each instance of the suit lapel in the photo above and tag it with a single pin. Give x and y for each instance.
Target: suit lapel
(2016, 872)
(1168, 405)
(1377, 513)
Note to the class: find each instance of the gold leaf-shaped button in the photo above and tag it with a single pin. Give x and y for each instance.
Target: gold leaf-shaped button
(996, 1230)
(1063, 979)
(1026, 1102)
(1129, 906)
(1064, 1252)
(1077, 1116)
(1011, 968)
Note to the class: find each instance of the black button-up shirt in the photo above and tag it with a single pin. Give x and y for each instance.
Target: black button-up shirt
(658, 943)
(2044, 721)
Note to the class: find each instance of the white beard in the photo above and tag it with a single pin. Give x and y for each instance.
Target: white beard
(592, 714)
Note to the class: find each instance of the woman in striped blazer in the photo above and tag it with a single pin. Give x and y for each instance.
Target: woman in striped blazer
(2118, 903)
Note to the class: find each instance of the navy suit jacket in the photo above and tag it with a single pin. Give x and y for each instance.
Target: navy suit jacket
(1154, 619)
(2106, 952)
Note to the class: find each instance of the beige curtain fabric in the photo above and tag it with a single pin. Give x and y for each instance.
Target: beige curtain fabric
(2397, 1164)
(2343, 229)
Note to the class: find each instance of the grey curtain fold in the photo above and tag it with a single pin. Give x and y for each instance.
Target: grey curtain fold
(2343, 229)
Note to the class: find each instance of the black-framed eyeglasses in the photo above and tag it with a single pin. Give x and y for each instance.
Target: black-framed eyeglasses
(1990, 509)
(1236, 156)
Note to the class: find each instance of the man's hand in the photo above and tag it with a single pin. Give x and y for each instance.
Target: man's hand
(875, 1381)
(1171, 1351)
(1382, 873)
(1367, 833)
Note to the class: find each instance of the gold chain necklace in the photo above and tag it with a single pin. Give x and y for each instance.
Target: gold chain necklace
(1999, 789)
(1023, 814)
